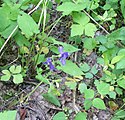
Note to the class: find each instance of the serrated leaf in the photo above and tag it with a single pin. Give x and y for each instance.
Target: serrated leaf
(11, 115)
(52, 99)
(82, 87)
(80, 116)
(76, 30)
(80, 18)
(99, 104)
(27, 25)
(71, 68)
(89, 93)
(103, 88)
(60, 116)
(88, 31)
(68, 7)
(17, 79)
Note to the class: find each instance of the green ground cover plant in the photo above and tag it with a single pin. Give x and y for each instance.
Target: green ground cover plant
(95, 27)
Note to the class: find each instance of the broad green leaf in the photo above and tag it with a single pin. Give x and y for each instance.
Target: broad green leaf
(68, 7)
(4, 17)
(89, 75)
(88, 31)
(103, 88)
(60, 116)
(5, 77)
(82, 87)
(52, 99)
(121, 83)
(94, 70)
(67, 47)
(118, 34)
(85, 67)
(119, 91)
(89, 93)
(15, 69)
(99, 104)
(71, 68)
(120, 114)
(120, 64)
(76, 29)
(1, 42)
(80, 18)
(89, 43)
(21, 40)
(112, 94)
(87, 104)
(27, 25)
(41, 58)
(17, 79)
(8, 115)
(71, 85)
(7, 72)
(117, 59)
(121, 52)
(5, 33)
(81, 116)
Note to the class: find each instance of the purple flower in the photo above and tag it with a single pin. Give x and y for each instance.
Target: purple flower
(63, 55)
(49, 62)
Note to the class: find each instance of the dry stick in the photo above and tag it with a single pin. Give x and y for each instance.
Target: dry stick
(17, 26)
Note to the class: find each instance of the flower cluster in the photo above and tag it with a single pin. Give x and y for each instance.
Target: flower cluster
(62, 57)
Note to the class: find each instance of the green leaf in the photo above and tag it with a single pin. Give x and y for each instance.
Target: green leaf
(120, 64)
(68, 7)
(118, 34)
(60, 116)
(116, 59)
(89, 43)
(99, 104)
(88, 31)
(82, 87)
(41, 78)
(120, 114)
(85, 67)
(88, 75)
(67, 47)
(1, 42)
(81, 116)
(52, 99)
(15, 69)
(89, 93)
(41, 58)
(121, 83)
(7, 72)
(27, 25)
(71, 85)
(71, 68)
(87, 104)
(112, 94)
(94, 70)
(76, 30)
(8, 115)
(80, 18)
(21, 40)
(5, 33)
(103, 88)
(17, 79)
(5, 77)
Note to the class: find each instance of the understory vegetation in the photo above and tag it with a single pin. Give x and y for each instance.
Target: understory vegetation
(69, 54)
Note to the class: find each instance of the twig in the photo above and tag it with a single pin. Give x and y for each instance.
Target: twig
(96, 22)
(17, 27)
